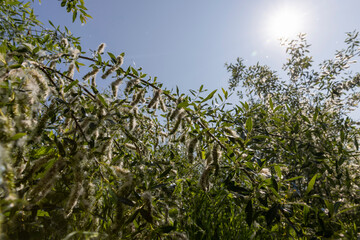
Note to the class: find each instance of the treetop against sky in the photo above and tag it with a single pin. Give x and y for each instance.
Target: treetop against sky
(186, 43)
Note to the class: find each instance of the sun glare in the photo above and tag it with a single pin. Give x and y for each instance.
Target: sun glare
(285, 23)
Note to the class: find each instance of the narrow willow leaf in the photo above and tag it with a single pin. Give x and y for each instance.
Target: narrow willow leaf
(68, 87)
(278, 171)
(102, 100)
(311, 184)
(272, 214)
(249, 124)
(209, 96)
(113, 58)
(17, 136)
(293, 179)
(249, 213)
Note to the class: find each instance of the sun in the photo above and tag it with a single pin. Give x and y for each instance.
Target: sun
(285, 22)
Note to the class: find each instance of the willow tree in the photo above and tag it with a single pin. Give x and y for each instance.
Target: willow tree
(143, 162)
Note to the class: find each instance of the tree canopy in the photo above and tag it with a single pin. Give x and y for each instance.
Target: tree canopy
(144, 162)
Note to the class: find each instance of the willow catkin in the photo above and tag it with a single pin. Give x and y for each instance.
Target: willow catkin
(191, 148)
(38, 163)
(175, 113)
(137, 97)
(76, 192)
(205, 176)
(216, 153)
(45, 184)
(115, 86)
(71, 70)
(64, 42)
(116, 66)
(132, 124)
(93, 81)
(131, 83)
(91, 74)
(41, 123)
(101, 49)
(39, 79)
(134, 111)
(146, 196)
(162, 104)
(177, 123)
(128, 185)
(209, 158)
(123, 191)
(155, 98)
(130, 146)
(231, 132)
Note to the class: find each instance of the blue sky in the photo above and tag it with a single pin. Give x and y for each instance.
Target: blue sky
(186, 43)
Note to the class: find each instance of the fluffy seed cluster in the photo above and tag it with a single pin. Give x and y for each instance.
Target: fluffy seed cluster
(131, 83)
(137, 97)
(45, 184)
(101, 49)
(64, 42)
(205, 176)
(212, 163)
(179, 118)
(113, 68)
(115, 86)
(130, 146)
(231, 132)
(76, 192)
(191, 148)
(216, 153)
(91, 74)
(155, 100)
(71, 70)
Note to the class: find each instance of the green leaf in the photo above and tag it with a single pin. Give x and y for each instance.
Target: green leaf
(165, 173)
(274, 184)
(72, 84)
(311, 184)
(306, 212)
(60, 147)
(102, 100)
(41, 213)
(133, 70)
(112, 56)
(249, 124)
(51, 24)
(183, 104)
(146, 215)
(74, 16)
(316, 114)
(293, 179)
(209, 96)
(249, 213)
(271, 214)
(278, 171)
(226, 94)
(17, 136)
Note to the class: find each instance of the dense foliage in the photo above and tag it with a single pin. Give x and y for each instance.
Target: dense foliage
(143, 162)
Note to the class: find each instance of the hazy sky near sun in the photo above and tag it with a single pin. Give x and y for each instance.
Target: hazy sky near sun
(186, 43)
